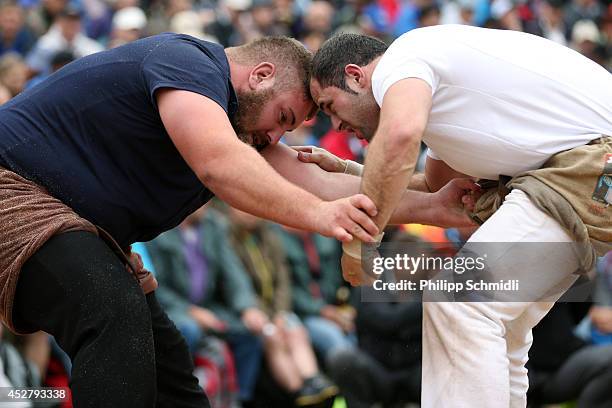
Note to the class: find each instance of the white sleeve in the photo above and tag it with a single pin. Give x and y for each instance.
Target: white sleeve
(432, 154)
(401, 62)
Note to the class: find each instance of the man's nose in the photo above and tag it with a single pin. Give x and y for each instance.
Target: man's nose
(336, 122)
(275, 135)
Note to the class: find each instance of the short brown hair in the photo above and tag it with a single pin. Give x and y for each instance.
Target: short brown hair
(339, 51)
(284, 52)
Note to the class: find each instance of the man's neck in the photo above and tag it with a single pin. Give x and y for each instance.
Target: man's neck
(369, 69)
(239, 74)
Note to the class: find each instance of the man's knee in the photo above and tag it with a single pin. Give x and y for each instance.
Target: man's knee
(457, 317)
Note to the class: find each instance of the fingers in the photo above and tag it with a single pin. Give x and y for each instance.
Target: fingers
(363, 227)
(466, 184)
(304, 153)
(316, 158)
(364, 202)
(469, 202)
(473, 192)
(304, 157)
(305, 149)
(342, 235)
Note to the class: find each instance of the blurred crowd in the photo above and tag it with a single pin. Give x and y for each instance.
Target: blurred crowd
(270, 323)
(39, 36)
(263, 308)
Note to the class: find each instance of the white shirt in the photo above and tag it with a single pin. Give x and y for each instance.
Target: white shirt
(502, 101)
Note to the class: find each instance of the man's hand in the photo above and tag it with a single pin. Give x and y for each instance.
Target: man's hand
(450, 204)
(346, 218)
(254, 319)
(206, 319)
(321, 157)
(601, 317)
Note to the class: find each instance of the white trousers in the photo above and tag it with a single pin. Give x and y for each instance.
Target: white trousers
(474, 353)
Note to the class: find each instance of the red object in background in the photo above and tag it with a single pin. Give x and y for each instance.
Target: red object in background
(56, 377)
(337, 143)
(525, 13)
(392, 8)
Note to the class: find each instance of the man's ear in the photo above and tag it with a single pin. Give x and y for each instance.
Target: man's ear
(355, 76)
(262, 76)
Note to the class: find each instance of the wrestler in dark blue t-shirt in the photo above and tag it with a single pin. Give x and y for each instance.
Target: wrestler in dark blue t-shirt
(92, 136)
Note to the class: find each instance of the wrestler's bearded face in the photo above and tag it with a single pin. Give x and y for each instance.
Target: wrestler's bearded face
(350, 110)
(362, 118)
(251, 105)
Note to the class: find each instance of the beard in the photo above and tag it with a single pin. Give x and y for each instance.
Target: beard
(368, 113)
(250, 107)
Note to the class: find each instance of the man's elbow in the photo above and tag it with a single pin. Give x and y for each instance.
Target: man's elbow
(213, 175)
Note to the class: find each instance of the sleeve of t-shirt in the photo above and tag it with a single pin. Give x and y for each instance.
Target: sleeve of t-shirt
(432, 154)
(401, 62)
(180, 63)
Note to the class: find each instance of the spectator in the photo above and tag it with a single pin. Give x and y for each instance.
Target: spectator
(205, 290)
(65, 34)
(551, 21)
(14, 36)
(287, 13)
(13, 73)
(606, 30)
(600, 314)
(408, 18)
(429, 15)
(264, 20)
(386, 368)
(128, 25)
(318, 18)
(576, 10)
(214, 363)
(229, 26)
(288, 351)
(314, 262)
(563, 367)
(458, 12)
(5, 380)
(58, 61)
(161, 14)
(98, 16)
(586, 40)
(190, 23)
(5, 94)
(506, 16)
(16, 368)
(44, 14)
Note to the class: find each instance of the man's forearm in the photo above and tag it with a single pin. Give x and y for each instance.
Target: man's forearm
(386, 177)
(331, 186)
(418, 183)
(394, 150)
(247, 182)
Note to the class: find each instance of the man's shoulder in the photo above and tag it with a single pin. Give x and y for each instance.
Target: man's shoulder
(445, 33)
(177, 40)
(182, 49)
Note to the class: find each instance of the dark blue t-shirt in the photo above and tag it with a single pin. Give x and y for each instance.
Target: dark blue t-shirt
(91, 134)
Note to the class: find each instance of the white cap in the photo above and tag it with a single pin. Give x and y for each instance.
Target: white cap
(190, 22)
(500, 8)
(238, 5)
(585, 30)
(130, 18)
